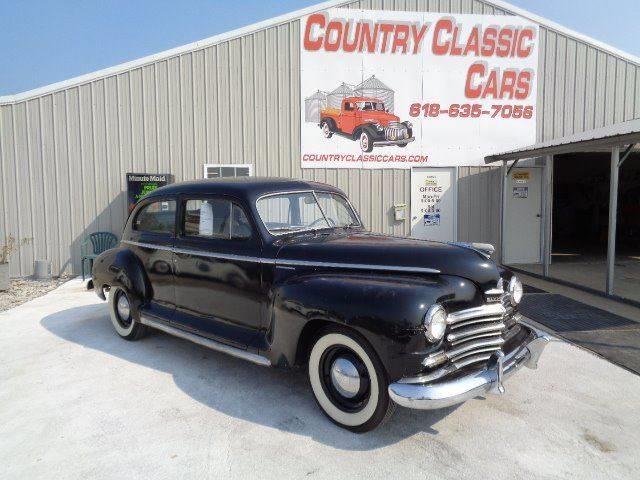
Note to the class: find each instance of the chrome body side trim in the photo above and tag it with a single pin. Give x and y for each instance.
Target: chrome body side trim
(285, 262)
(147, 245)
(223, 256)
(205, 342)
(356, 266)
(435, 394)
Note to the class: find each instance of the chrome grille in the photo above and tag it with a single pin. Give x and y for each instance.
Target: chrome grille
(395, 131)
(474, 334)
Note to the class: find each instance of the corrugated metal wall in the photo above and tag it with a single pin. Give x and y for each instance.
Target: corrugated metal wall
(64, 154)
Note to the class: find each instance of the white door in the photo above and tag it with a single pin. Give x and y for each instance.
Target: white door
(523, 217)
(433, 204)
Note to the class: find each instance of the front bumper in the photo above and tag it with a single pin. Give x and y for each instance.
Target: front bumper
(382, 143)
(444, 393)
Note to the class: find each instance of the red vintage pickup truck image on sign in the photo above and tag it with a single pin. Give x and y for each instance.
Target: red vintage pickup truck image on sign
(368, 121)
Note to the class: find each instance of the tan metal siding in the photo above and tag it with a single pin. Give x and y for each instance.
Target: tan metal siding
(479, 199)
(239, 102)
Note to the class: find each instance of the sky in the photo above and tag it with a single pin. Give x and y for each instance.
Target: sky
(46, 41)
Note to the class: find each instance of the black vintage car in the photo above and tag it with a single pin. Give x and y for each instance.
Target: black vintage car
(282, 273)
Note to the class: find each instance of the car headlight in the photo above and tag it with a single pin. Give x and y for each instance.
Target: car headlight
(408, 124)
(515, 289)
(378, 126)
(435, 323)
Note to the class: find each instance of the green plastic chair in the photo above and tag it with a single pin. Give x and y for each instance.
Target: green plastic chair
(100, 241)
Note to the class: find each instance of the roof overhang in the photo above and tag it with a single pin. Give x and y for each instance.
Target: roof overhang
(600, 139)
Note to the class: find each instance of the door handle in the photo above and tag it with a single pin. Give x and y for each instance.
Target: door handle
(538, 215)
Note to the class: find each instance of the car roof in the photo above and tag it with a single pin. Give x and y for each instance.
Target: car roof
(249, 188)
(362, 99)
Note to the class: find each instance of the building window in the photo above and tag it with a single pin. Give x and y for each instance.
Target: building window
(228, 171)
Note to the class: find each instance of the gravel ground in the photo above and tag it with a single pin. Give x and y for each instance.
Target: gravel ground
(22, 290)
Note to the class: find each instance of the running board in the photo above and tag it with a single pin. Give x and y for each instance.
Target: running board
(205, 342)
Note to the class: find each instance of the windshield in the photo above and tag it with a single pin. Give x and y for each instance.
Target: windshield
(295, 211)
(369, 106)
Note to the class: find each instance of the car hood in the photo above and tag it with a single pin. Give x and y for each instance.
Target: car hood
(381, 117)
(384, 252)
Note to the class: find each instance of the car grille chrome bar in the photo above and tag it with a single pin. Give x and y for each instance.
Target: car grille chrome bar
(475, 346)
(396, 131)
(487, 310)
(462, 334)
(474, 334)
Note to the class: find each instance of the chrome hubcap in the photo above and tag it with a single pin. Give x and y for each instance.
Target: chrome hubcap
(345, 377)
(364, 142)
(325, 130)
(123, 307)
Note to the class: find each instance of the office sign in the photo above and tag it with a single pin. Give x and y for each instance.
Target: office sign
(385, 89)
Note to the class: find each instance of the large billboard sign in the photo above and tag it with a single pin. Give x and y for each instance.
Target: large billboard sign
(385, 89)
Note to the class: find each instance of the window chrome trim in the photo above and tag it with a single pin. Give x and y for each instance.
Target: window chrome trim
(286, 262)
(313, 192)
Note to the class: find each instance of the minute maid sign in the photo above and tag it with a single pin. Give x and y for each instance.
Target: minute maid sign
(400, 89)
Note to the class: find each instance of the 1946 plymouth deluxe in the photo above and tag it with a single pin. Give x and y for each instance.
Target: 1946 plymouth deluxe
(282, 272)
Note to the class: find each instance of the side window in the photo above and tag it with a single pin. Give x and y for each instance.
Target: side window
(156, 217)
(207, 218)
(240, 226)
(215, 218)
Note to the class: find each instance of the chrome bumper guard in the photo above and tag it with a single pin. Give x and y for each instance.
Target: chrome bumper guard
(382, 143)
(444, 393)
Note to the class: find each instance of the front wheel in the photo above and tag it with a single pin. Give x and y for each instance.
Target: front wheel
(366, 142)
(349, 381)
(123, 315)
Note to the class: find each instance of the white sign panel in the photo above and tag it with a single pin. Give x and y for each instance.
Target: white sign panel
(433, 207)
(385, 89)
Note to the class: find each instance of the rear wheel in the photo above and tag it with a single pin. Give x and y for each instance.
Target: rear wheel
(349, 381)
(326, 129)
(124, 315)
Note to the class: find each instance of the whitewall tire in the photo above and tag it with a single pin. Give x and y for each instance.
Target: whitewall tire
(124, 315)
(326, 130)
(348, 381)
(366, 142)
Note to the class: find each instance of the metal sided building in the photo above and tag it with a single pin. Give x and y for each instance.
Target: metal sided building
(438, 84)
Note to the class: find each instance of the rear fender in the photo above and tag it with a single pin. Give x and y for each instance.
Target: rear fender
(332, 123)
(120, 267)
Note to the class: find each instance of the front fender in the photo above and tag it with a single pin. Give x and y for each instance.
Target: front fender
(120, 267)
(387, 311)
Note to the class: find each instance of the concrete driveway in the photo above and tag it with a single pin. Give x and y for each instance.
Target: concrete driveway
(76, 401)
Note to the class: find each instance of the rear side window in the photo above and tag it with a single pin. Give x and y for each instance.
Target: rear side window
(215, 218)
(156, 217)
